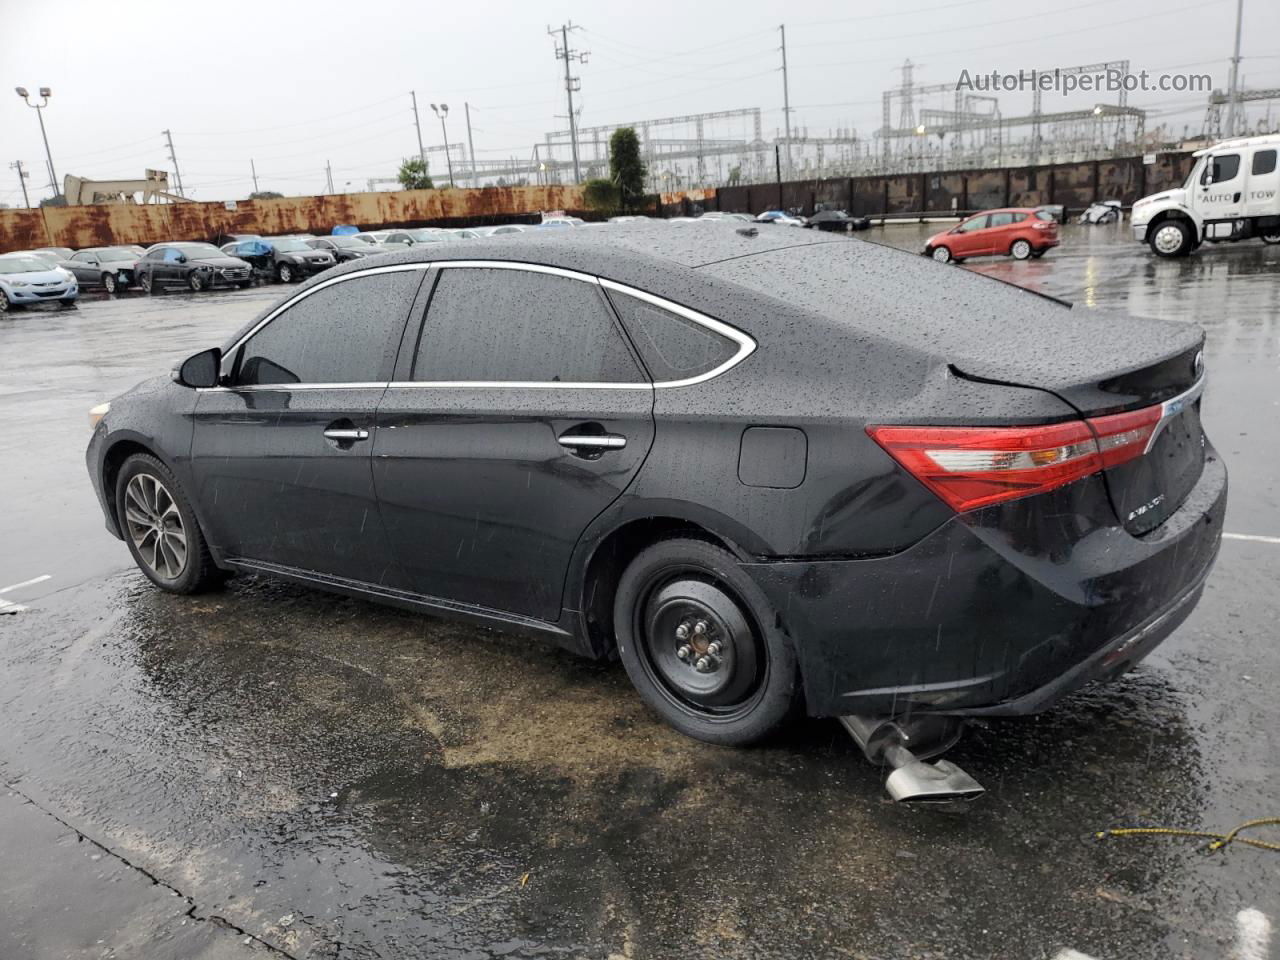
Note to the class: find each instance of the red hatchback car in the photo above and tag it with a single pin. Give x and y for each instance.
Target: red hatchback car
(1020, 232)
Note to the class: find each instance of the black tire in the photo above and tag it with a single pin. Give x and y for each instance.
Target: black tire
(677, 584)
(284, 273)
(109, 283)
(1271, 238)
(1037, 254)
(941, 254)
(144, 281)
(1163, 243)
(66, 304)
(1020, 249)
(5, 305)
(197, 571)
(195, 280)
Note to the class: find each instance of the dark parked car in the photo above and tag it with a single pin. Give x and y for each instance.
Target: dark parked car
(294, 260)
(344, 248)
(837, 221)
(764, 471)
(108, 267)
(197, 266)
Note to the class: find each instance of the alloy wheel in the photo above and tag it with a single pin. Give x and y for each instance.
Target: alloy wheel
(195, 282)
(144, 281)
(941, 254)
(109, 282)
(1020, 250)
(155, 526)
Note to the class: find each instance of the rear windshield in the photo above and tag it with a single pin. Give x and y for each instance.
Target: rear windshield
(1044, 215)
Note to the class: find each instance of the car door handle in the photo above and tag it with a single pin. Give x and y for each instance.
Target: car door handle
(609, 441)
(347, 435)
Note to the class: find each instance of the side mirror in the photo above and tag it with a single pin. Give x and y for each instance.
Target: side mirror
(201, 370)
(180, 258)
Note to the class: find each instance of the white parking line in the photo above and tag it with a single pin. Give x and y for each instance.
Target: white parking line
(1250, 536)
(1068, 954)
(1253, 935)
(26, 583)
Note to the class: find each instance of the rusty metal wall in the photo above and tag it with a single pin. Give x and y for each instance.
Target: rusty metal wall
(102, 224)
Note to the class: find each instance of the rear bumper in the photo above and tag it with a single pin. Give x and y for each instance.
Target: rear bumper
(982, 617)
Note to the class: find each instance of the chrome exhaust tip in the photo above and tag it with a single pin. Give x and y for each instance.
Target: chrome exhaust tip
(906, 745)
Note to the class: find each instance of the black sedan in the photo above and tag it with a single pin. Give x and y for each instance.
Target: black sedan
(765, 472)
(292, 259)
(197, 266)
(343, 249)
(836, 221)
(108, 267)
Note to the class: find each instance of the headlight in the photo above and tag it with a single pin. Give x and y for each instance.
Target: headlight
(295, 259)
(97, 413)
(17, 283)
(64, 274)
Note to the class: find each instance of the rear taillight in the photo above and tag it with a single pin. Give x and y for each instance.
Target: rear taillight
(971, 467)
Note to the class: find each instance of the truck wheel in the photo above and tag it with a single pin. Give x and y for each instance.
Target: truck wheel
(1020, 249)
(1271, 238)
(1171, 239)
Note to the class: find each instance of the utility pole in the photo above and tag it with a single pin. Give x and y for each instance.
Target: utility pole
(172, 156)
(422, 154)
(1233, 97)
(786, 97)
(22, 179)
(471, 147)
(571, 83)
(328, 173)
(254, 171)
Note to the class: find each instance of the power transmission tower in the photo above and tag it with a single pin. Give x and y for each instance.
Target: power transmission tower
(254, 171)
(173, 157)
(571, 83)
(786, 98)
(22, 179)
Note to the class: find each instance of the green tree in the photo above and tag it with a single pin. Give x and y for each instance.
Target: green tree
(413, 174)
(58, 201)
(265, 195)
(602, 196)
(735, 174)
(626, 169)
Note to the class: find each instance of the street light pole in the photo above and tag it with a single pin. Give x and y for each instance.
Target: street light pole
(45, 94)
(442, 111)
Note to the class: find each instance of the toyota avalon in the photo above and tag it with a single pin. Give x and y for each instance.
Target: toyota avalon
(766, 469)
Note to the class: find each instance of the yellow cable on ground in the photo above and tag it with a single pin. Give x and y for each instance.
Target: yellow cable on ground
(1219, 840)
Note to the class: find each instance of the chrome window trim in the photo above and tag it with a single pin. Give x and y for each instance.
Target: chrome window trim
(746, 344)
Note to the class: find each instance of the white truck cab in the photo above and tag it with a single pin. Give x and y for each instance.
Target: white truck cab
(1232, 193)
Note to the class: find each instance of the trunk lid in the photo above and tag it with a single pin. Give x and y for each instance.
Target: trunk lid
(1145, 491)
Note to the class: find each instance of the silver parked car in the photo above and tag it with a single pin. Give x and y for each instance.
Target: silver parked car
(108, 267)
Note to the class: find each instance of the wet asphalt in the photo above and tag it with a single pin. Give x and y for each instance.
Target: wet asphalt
(274, 771)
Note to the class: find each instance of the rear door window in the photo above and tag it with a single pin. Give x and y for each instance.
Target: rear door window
(1264, 162)
(1002, 219)
(344, 333)
(672, 347)
(495, 325)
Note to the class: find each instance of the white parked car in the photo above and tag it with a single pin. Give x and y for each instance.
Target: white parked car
(25, 280)
(1232, 193)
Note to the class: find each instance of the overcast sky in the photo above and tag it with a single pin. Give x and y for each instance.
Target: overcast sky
(296, 84)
